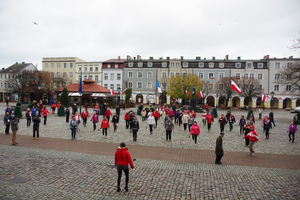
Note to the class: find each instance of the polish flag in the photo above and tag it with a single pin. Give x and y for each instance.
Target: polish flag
(200, 94)
(235, 87)
(212, 77)
(124, 90)
(263, 97)
(112, 92)
(176, 100)
(187, 93)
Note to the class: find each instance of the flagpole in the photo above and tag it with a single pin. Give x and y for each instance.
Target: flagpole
(156, 91)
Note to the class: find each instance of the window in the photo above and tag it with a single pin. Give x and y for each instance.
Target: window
(211, 86)
(105, 76)
(149, 85)
(221, 75)
(112, 86)
(140, 64)
(1, 85)
(201, 64)
(245, 76)
(8, 75)
(201, 75)
(238, 75)
(210, 75)
(140, 74)
(64, 75)
(46, 65)
(116, 66)
(80, 69)
(277, 76)
(288, 88)
(150, 64)
(105, 85)
(71, 74)
(259, 87)
(164, 64)
(277, 65)
(85, 77)
(91, 77)
(185, 64)
(221, 65)
(237, 65)
(171, 74)
(164, 74)
(71, 65)
(139, 85)
(5, 85)
(58, 74)
(91, 69)
(130, 74)
(65, 65)
(249, 65)
(57, 85)
(96, 69)
(4, 75)
(130, 84)
(112, 76)
(52, 65)
(172, 64)
(221, 86)
(1, 76)
(108, 65)
(276, 87)
(119, 86)
(96, 78)
(260, 65)
(52, 74)
(130, 64)
(118, 76)
(85, 69)
(251, 76)
(57, 65)
(177, 64)
(289, 64)
(260, 76)
(211, 65)
(184, 74)
(149, 75)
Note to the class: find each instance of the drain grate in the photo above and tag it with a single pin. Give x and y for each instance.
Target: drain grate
(19, 179)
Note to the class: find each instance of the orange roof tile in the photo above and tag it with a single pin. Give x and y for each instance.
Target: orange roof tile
(85, 88)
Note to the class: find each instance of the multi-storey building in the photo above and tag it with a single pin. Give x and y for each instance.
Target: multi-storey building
(89, 70)
(62, 69)
(7, 79)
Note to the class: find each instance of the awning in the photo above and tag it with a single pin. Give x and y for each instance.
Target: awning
(72, 94)
(99, 95)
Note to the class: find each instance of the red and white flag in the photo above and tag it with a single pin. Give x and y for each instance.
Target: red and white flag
(124, 90)
(235, 87)
(187, 93)
(263, 97)
(176, 100)
(200, 94)
(112, 92)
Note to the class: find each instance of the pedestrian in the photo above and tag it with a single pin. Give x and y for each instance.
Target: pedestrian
(105, 125)
(33, 112)
(135, 128)
(107, 114)
(180, 114)
(115, 121)
(45, 113)
(171, 114)
(151, 122)
(194, 114)
(78, 119)
(190, 122)
(295, 119)
(97, 109)
(259, 113)
(7, 100)
(143, 113)
(187, 110)
(176, 116)
(231, 121)
(227, 115)
(84, 116)
(242, 123)
(271, 118)
(9, 110)
(73, 126)
(122, 159)
(251, 118)
(53, 107)
(74, 109)
(209, 118)
(169, 126)
(253, 137)
(156, 116)
(195, 131)
(28, 116)
(95, 119)
(185, 119)
(207, 108)
(67, 114)
(267, 126)
(118, 110)
(203, 118)
(14, 129)
(222, 123)
(126, 118)
(36, 127)
(41, 107)
(292, 131)
(104, 108)
(219, 149)
(163, 115)
(246, 131)
(131, 118)
(6, 121)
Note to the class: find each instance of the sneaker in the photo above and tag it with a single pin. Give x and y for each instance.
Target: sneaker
(37, 138)
(33, 138)
(126, 189)
(118, 190)
(252, 154)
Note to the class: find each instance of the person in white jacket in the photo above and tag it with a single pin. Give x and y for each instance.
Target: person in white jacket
(151, 122)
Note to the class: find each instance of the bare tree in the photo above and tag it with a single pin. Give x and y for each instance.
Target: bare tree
(224, 87)
(250, 87)
(206, 90)
(296, 43)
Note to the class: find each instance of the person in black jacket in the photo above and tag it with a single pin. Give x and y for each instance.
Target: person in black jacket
(135, 128)
(246, 131)
(115, 121)
(231, 120)
(271, 117)
(131, 118)
(219, 149)
(36, 126)
(67, 114)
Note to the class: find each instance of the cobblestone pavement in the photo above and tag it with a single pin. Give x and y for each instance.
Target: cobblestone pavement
(68, 175)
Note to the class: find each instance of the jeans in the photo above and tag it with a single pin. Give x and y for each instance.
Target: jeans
(241, 129)
(230, 126)
(104, 132)
(45, 120)
(73, 133)
(28, 121)
(134, 134)
(168, 135)
(267, 132)
(150, 127)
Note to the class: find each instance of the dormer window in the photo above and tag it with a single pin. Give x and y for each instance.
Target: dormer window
(237, 65)
(164, 64)
(150, 64)
(185, 64)
(130, 64)
(260, 65)
(140, 64)
(221, 65)
(211, 65)
(201, 64)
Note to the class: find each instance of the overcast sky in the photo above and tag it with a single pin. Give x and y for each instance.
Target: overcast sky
(96, 30)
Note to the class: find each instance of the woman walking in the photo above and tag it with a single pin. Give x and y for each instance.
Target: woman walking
(143, 113)
(267, 126)
(95, 119)
(135, 128)
(195, 131)
(73, 126)
(292, 130)
(191, 122)
(151, 122)
(105, 125)
(122, 159)
(45, 113)
(169, 126)
(185, 118)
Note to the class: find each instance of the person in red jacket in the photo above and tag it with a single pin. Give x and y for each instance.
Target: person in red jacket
(209, 118)
(84, 116)
(122, 159)
(107, 114)
(45, 113)
(40, 107)
(156, 116)
(104, 126)
(194, 114)
(126, 118)
(58, 105)
(53, 106)
(195, 131)
(253, 137)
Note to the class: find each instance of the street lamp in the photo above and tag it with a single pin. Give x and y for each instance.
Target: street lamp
(39, 88)
(119, 90)
(272, 99)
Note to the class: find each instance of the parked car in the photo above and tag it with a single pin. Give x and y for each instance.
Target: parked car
(297, 109)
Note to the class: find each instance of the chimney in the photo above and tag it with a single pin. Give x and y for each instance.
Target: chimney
(213, 58)
(16, 63)
(119, 57)
(181, 57)
(139, 57)
(133, 58)
(291, 57)
(239, 57)
(226, 57)
(3, 68)
(198, 58)
(23, 63)
(129, 57)
(204, 58)
(168, 58)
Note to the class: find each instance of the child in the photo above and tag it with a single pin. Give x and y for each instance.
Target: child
(67, 114)
(253, 137)
(104, 126)
(203, 118)
(36, 126)
(28, 117)
(126, 118)
(242, 123)
(84, 116)
(195, 131)
(292, 130)
(73, 126)
(53, 106)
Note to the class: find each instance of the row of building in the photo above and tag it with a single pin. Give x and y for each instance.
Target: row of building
(141, 74)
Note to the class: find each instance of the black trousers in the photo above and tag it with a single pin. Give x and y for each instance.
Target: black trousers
(190, 127)
(241, 129)
(208, 126)
(204, 122)
(168, 135)
(218, 158)
(45, 120)
(94, 125)
(293, 136)
(267, 132)
(36, 129)
(127, 123)
(84, 121)
(134, 134)
(184, 126)
(67, 118)
(151, 128)
(104, 131)
(28, 121)
(7, 128)
(180, 121)
(156, 121)
(194, 138)
(126, 171)
(222, 128)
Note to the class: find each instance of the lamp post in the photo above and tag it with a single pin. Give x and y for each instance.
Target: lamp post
(272, 99)
(39, 88)
(119, 99)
